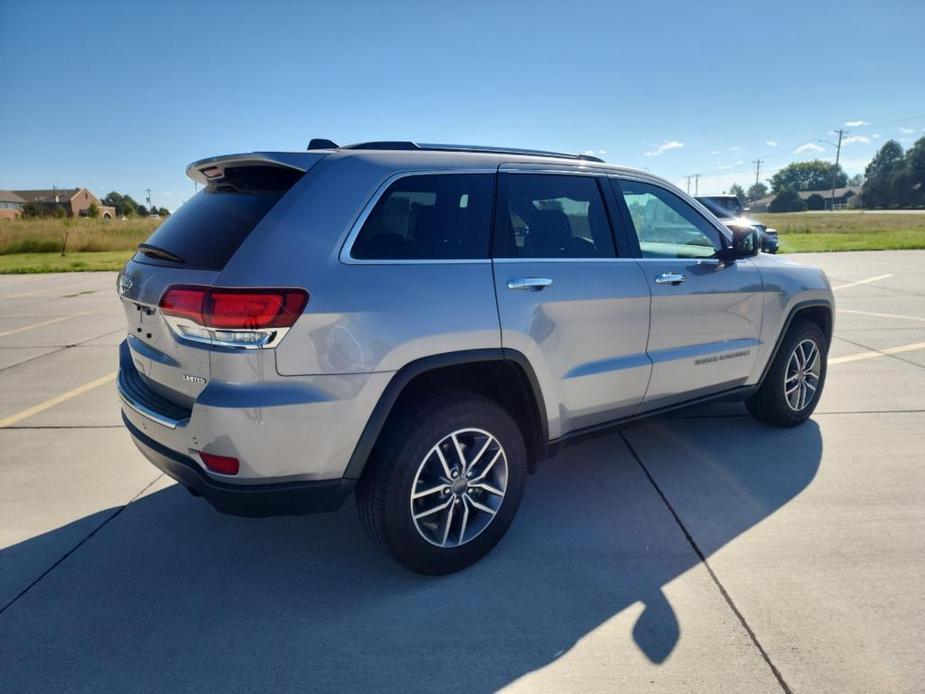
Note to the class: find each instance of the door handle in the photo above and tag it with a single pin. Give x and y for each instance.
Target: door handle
(533, 284)
(672, 278)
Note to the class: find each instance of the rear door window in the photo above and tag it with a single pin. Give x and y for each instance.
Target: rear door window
(429, 217)
(552, 216)
(207, 229)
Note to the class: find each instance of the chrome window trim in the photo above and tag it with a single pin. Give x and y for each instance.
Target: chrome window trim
(346, 251)
(521, 259)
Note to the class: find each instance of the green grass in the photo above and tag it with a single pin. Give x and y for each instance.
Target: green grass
(805, 232)
(34, 245)
(24, 263)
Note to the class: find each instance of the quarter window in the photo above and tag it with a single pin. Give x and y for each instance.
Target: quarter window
(552, 216)
(667, 227)
(429, 217)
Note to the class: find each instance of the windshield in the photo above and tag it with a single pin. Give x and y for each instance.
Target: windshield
(722, 205)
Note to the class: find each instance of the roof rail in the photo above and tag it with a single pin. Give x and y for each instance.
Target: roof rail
(428, 147)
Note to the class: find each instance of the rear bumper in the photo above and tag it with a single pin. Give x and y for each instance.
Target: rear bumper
(274, 499)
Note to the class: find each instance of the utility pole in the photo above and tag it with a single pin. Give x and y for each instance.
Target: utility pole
(148, 191)
(689, 184)
(835, 170)
(696, 184)
(757, 163)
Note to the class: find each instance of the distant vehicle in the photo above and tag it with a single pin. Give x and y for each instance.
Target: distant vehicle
(729, 211)
(424, 323)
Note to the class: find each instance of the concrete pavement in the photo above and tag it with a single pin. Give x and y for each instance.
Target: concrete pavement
(698, 552)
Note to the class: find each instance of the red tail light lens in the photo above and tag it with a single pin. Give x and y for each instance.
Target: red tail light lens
(235, 309)
(222, 464)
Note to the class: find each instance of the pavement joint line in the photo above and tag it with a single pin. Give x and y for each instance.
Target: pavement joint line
(80, 544)
(46, 289)
(865, 281)
(40, 427)
(56, 400)
(880, 315)
(24, 328)
(874, 353)
(59, 349)
(722, 589)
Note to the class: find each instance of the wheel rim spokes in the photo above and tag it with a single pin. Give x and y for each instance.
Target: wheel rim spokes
(459, 487)
(801, 380)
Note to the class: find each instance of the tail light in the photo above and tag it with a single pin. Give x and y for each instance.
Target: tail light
(234, 317)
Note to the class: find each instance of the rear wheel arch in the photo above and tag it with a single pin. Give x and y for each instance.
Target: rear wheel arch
(503, 375)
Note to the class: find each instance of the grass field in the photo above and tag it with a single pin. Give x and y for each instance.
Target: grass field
(805, 232)
(34, 245)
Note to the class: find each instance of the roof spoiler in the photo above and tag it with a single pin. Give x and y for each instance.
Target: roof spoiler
(213, 168)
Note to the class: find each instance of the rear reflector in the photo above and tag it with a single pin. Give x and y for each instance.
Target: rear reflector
(235, 309)
(224, 465)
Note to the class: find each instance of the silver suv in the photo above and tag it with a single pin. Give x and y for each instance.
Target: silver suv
(425, 323)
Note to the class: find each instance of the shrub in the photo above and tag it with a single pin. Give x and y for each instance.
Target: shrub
(815, 202)
(787, 201)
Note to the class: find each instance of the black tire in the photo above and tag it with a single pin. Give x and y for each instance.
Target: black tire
(384, 491)
(769, 404)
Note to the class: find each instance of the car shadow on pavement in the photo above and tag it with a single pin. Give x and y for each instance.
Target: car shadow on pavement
(171, 595)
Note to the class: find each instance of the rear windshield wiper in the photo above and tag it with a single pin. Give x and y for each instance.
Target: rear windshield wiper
(155, 252)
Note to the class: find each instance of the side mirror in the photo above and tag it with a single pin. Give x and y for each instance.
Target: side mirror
(746, 242)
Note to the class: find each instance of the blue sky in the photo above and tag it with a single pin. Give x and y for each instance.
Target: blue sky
(122, 95)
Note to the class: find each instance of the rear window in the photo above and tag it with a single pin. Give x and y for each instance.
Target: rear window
(206, 230)
(429, 217)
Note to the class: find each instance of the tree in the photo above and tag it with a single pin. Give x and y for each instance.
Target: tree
(815, 202)
(880, 174)
(163, 212)
(124, 204)
(787, 201)
(807, 175)
(856, 180)
(916, 158)
(756, 192)
(93, 211)
(738, 191)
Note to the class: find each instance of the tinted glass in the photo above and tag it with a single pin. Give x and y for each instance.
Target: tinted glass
(552, 216)
(667, 227)
(722, 206)
(207, 229)
(429, 217)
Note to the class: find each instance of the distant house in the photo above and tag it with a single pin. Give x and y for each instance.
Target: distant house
(844, 197)
(75, 201)
(10, 204)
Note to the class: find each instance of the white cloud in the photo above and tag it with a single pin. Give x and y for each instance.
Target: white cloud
(877, 136)
(907, 131)
(734, 148)
(855, 123)
(771, 143)
(856, 139)
(664, 147)
(806, 148)
(602, 151)
(714, 152)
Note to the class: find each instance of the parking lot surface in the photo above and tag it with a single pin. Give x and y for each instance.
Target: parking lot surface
(700, 551)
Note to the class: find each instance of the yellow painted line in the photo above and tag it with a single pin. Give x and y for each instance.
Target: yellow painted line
(882, 353)
(57, 400)
(46, 322)
(881, 315)
(867, 281)
(46, 289)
